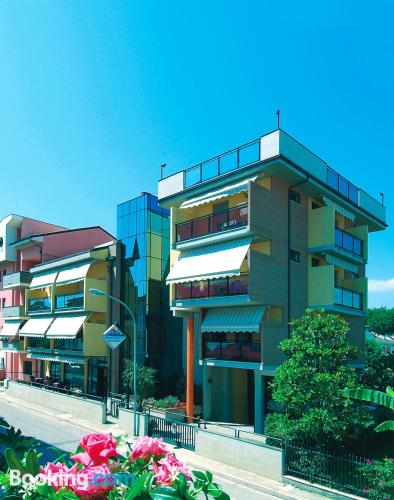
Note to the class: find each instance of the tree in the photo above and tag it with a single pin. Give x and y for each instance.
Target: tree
(309, 385)
(379, 398)
(146, 381)
(381, 320)
(379, 367)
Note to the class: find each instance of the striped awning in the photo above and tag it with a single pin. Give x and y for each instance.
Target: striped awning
(214, 261)
(10, 328)
(233, 319)
(71, 360)
(344, 264)
(66, 327)
(41, 280)
(73, 274)
(340, 210)
(35, 327)
(216, 195)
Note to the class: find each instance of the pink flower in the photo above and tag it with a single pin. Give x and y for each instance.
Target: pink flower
(98, 449)
(94, 482)
(58, 475)
(147, 447)
(167, 470)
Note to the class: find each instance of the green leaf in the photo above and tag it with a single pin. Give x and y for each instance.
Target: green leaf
(46, 491)
(32, 465)
(200, 475)
(13, 461)
(390, 392)
(377, 397)
(181, 484)
(385, 426)
(163, 493)
(137, 488)
(209, 475)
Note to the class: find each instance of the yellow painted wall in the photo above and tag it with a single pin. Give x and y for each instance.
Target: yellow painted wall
(262, 247)
(98, 270)
(95, 303)
(239, 395)
(93, 343)
(321, 285)
(321, 227)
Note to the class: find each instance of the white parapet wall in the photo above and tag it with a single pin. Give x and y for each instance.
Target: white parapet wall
(126, 422)
(83, 409)
(260, 459)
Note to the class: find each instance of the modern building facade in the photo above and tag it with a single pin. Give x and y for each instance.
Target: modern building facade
(52, 328)
(144, 229)
(259, 234)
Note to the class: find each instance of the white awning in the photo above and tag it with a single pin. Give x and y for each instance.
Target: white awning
(41, 280)
(10, 328)
(214, 261)
(73, 274)
(66, 328)
(340, 210)
(35, 327)
(336, 261)
(216, 195)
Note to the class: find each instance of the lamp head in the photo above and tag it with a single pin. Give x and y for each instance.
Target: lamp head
(96, 291)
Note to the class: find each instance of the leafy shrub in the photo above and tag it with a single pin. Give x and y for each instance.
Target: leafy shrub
(380, 476)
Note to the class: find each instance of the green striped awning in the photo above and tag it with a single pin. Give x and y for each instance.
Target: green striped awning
(340, 210)
(336, 261)
(233, 319)
(71, 360)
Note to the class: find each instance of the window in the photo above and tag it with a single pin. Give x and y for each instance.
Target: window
(27, 368)
(295, 256)
(315, 262)
(295, 196)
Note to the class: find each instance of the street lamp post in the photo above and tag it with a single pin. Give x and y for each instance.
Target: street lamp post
(95, 291)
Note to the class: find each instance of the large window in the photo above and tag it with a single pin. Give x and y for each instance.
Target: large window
(27, 368)
(229, 346)
(74, 375)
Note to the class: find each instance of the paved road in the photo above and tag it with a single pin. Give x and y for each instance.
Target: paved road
(64, 436)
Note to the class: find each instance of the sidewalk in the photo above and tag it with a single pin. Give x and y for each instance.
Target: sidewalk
(219, 470)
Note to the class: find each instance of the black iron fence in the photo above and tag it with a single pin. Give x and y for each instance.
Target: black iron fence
(334, 469)
(180, 434)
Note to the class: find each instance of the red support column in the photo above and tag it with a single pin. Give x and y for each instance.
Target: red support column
(190, 367)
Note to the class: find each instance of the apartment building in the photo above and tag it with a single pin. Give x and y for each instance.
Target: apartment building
(143, 227)
(52, 326)
(259, 234)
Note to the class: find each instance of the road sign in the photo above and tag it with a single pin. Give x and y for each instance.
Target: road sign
(114, 337)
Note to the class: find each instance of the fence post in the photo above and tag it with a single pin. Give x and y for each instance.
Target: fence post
(284, 457)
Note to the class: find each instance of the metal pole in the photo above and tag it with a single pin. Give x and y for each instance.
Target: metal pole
(134, 354)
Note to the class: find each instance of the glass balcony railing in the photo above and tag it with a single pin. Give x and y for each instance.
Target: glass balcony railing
(233, 351)
(347, 298)
(214, 223)
(40, 304)
(348, 242)
(69, 344)
(342, 185)
(220, 287)
(69, 301)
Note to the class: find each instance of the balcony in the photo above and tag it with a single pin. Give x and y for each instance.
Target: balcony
(220, 287)
(227, 220)
(38, 305)
(70, 301)
(232, 351)
(21, 279)
(348, 298)
(348, 242)
(69, 344)
(13, 312)
(13, 346)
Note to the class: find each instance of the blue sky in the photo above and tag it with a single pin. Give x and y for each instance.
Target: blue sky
(95, 95)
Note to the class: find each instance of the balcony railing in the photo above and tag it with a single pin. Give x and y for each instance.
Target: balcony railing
(348, 242)
(220, 287)
(14, 280)
(233, 351)
(14, 346)
(39, 304)
(69, 344)
(13, 311)
(232, 218)
(342, 185)
(347, 298)
(69, 301)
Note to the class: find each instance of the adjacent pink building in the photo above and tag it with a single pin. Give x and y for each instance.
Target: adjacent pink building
(25, 243)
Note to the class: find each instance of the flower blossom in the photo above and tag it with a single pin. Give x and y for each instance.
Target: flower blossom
(147, 448)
